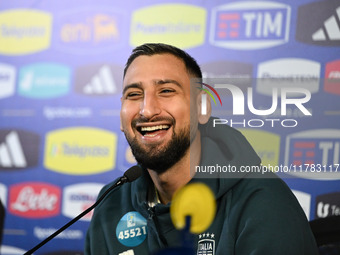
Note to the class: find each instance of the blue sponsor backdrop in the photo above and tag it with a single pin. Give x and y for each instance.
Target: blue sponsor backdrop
(61, 70)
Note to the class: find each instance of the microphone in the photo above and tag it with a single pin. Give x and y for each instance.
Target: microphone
(130, 175)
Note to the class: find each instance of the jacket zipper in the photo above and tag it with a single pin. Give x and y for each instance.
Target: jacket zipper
(153, 217)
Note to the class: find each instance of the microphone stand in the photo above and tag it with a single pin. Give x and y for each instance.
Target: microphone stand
(125, 178)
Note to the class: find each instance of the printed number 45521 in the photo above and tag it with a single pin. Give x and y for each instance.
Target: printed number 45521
(132, 232)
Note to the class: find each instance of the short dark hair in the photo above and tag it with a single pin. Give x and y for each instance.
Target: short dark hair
(150, 49)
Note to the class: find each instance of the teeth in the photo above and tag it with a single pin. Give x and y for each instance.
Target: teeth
(150, 135)
(154, 128)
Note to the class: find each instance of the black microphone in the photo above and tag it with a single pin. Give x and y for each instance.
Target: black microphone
(130, 175)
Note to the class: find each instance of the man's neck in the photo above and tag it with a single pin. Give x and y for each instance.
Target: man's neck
(178, 175)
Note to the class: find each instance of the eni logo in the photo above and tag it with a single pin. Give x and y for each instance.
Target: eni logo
(204, 97)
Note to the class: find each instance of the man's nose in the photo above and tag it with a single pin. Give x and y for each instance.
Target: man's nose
(150, 106)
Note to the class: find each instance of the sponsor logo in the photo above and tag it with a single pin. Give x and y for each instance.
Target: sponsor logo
(181, 25)
(97, 80)
(236, 73)
(304, 200)
(24, 31)
(250, 25)
(3, 194)
(52, 113)
(332, 77)
(80, 151)
(89, 31)
(34, 200)
(5, 249)
(316, 152)
(269, 152)
(327, 205)
(18, 149)
(78, 197)
(7, 80)
(131, 230)
(288, 73)
(330, 31)
(239, 73)
(44, 80)
(318, 23)
(206, 244)
(68, 234)
(18, 113)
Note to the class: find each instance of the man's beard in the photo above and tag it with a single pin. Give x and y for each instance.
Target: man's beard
(161, 159)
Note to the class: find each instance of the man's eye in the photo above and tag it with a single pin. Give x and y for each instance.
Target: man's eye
(133, 94)
(167, 90)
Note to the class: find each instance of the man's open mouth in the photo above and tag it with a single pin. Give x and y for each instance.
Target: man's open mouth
(152, 130)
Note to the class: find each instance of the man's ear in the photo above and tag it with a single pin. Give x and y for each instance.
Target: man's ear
(203, 109)
(120, 116)
(121, 127)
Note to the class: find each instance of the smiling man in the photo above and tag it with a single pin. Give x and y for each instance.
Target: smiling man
(155, 118)
(162, 121)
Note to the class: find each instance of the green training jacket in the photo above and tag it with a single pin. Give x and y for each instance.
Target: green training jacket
(257, 214)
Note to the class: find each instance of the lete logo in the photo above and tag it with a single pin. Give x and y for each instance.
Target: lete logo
(35, 200)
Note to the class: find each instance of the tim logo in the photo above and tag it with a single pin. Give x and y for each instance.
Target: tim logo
(318, 23)
(250, 25)
(316, 147)
(204, 97)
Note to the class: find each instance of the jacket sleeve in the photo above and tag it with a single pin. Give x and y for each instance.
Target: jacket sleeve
(87, 247)
(95, 237)
(272, 222)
